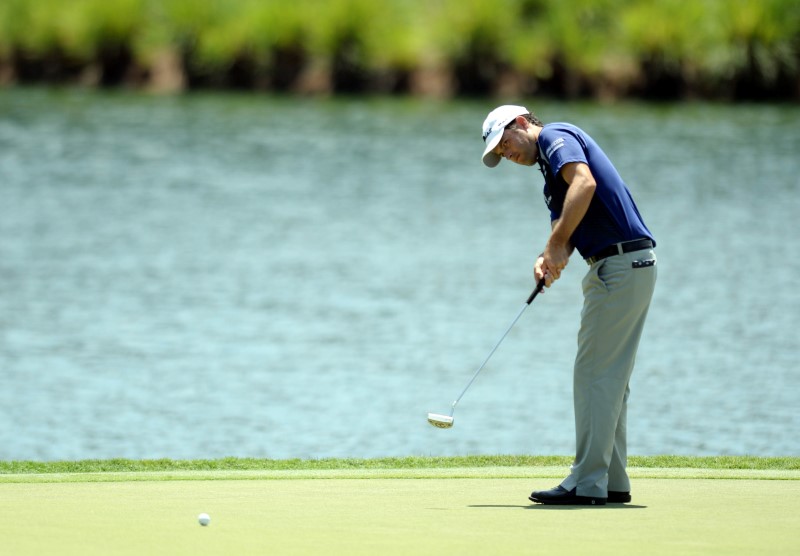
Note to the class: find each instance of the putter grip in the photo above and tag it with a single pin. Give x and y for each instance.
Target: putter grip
(535, 292)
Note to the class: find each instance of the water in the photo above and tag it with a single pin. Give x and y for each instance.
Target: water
(222, 275)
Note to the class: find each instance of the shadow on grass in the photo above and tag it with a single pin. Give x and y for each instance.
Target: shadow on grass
(552, 507)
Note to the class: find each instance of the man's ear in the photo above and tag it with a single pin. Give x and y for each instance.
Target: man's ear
(521, 122)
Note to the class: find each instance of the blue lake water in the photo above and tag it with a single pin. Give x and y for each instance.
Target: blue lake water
(243, 275)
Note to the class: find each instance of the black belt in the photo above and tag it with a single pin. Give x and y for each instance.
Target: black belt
(619, 249)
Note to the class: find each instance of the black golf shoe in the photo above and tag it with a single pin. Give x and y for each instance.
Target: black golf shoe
(559, 496)
(615, 497)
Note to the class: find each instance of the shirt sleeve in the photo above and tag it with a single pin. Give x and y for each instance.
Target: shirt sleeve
(560, 147)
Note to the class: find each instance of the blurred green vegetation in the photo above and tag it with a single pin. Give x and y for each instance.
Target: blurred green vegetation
(738, 49)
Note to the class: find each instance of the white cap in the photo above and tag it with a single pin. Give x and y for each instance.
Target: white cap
(493, 127)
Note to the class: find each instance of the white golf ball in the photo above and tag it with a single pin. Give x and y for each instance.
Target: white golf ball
(204, 519)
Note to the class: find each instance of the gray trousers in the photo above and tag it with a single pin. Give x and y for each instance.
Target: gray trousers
(617, 293)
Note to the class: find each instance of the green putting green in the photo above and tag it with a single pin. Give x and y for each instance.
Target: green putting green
(384, 512)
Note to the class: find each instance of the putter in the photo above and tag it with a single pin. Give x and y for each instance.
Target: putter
(446, 421)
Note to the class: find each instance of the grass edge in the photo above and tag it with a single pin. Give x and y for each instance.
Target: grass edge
(235, 464)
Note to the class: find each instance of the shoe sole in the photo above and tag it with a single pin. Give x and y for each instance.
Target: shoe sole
(583, 502)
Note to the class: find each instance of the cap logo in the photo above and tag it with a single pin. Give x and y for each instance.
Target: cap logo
(496, 126)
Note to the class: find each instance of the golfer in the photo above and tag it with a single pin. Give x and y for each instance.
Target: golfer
(591, 211)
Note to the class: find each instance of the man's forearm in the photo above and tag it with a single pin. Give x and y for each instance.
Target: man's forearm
(553, 224)
(579, 196)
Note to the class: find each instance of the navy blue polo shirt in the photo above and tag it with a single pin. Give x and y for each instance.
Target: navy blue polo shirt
(612, 216)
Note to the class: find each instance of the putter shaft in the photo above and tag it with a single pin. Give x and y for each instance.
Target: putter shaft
(539, 287)
(446, 421)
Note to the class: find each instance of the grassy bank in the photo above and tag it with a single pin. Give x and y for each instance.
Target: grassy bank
(740, 49)
(253, 464)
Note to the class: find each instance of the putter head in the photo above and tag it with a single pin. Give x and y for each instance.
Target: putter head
(440, 421)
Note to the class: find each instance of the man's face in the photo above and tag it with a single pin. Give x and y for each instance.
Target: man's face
(518, 144)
